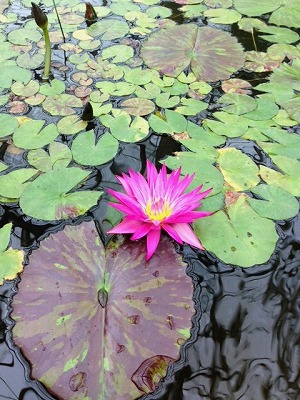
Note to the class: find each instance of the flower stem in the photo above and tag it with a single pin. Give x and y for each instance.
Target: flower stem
(46, 73)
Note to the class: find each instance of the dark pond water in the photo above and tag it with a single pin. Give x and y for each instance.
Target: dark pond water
(245, 342)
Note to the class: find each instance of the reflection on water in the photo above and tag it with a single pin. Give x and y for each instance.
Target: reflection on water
(247, 342)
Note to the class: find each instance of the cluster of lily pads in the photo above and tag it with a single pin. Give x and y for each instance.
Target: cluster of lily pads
(143, 73)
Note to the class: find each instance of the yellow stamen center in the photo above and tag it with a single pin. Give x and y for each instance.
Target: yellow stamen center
(158, 209)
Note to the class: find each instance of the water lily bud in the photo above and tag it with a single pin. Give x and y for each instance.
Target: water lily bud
(39, 16)
(90, 13)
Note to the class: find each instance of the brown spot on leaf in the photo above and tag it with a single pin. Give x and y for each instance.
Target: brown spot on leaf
(77, 381)
(120, 348)
(170, 322)
(133, 319)
(150, 372)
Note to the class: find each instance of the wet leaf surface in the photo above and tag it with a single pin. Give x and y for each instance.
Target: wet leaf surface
(48, 197)
(103, 311)
(172, 50)
(239, 241)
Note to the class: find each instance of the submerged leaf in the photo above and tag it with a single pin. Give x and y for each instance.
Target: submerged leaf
(103, 310)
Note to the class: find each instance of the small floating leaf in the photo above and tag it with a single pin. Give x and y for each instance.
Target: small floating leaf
(288, 179)
(123, 129)
(11, 260)
(239, 171)
(108, 29)
(58, 156)
(61, 104)
(13, 183)
(138, 107)
(86, 151)
(8, 125)
(240, 241)
(275, 203)
(48, 198)
(30, 134)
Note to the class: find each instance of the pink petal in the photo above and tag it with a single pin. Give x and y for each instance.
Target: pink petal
(126, 226)
(171, 231)
(128, 211)
(186, 233)
(141, 231)
(187, 217)
(152, 242)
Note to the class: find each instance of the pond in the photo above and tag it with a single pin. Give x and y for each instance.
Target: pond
(208, 88)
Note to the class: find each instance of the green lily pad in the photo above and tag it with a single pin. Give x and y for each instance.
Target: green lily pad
(211, 53)
(11, 260)
(265, 110)
(30, 134)
(104, 307)
(275, 91)
(58, 156)
(239, 171)
(71, 124)
(288, 179)
(172, 123)
(30, 89)
(24, 36)
(164, 100)
(11, 71)
(149, 91)
(288, 75)
(53, 88)
(229, 125)
(278, 34)
(205, 173)
(255, 8)
(48, 197)
(138, 76)
(288, 14)
(126, 131)
(118, 53)
(292, 107)
(193, 10)
(108, 29)
(61, 104)
(137, 107)
(30, 61)
(208, 138)
(86, 151)
(238, 103)
(222, 16)
(8, 125)
(13, 184)
(191, 106)
(275, 203)
(288, 143)
(246, 239)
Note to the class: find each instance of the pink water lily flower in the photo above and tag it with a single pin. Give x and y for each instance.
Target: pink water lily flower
(156, 203)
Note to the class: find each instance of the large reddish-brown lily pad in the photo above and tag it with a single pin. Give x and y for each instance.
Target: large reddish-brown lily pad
(211, 53)
(98, 324)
